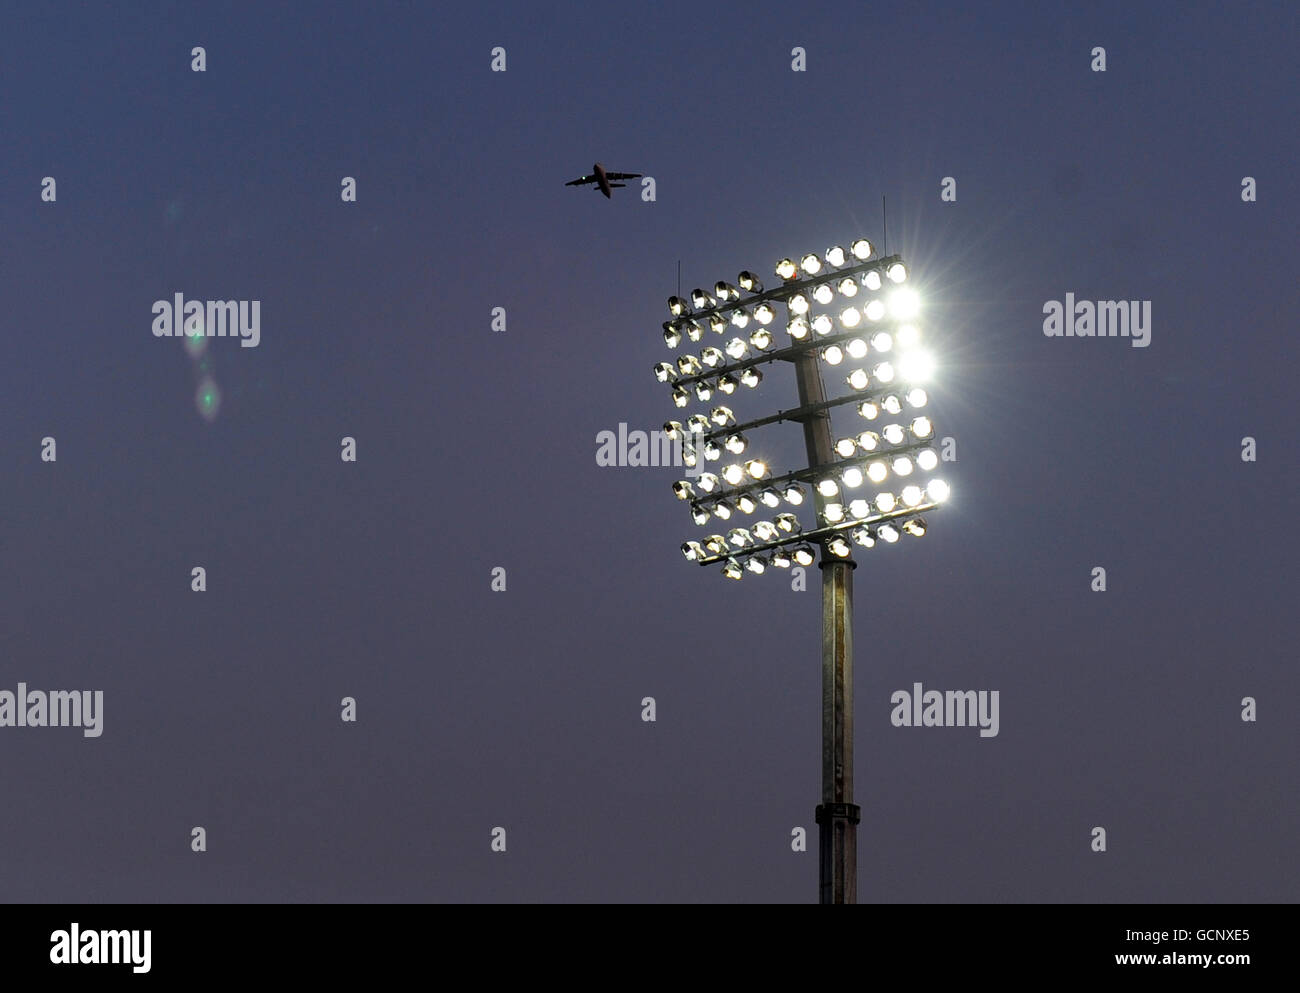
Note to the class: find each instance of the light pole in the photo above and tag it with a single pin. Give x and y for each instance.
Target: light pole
(871, 323)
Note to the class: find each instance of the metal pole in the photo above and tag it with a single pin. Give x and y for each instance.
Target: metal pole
(837, 815)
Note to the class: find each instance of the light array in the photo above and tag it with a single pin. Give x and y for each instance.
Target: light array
(856, 314)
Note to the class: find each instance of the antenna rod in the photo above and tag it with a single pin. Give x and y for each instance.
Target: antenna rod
(884, 220)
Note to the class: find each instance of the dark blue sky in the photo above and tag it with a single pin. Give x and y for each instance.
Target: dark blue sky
(477, 449)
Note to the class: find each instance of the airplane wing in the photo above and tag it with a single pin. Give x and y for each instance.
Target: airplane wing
(622, 175)
(581, 180)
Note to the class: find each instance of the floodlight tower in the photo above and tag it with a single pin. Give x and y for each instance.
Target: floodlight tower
(869, 322)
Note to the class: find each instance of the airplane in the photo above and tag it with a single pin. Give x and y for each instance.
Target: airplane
(602, 179)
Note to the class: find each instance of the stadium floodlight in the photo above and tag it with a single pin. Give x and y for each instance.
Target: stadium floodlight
(861, 315)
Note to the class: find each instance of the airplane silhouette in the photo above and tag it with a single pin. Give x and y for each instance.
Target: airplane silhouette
(603, 179)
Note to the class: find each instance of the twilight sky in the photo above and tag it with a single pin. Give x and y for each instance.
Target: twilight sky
(476, 449)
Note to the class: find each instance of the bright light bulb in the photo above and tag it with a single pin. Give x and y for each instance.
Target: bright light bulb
(897, 272)
(823, 293)
(851, 317)
(916, 397)
(838, 546)
(888, 532)
(893, 434)
(902, 466)
(810, 264)
(846, 448)
(938, 490)
(926, 459)
(835, 256)
(732, 569)
(770, 498)
(793, 495)
(876, 471)
(884, 372)
(833, 513)
(737, 348)
(859, 379)
(739, 537)
(875, 310)
(869, 409)
(785, 269)
(871, 280)
(848, 286)
(822, 324)
(832, 355)
(797, 328)
(860, 508)
(922, 428)
(861, 249)
(852, 476)
(734, 474)
(856, 348)
(798, 304)
(904, 304)
(761, 339)
(868, 441)
(756, 468)
(885, 501)
(828, 487)
(911, 495)
(916, 367)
